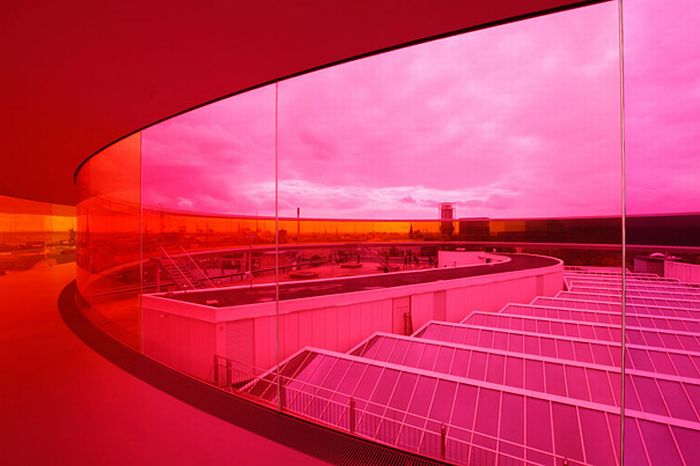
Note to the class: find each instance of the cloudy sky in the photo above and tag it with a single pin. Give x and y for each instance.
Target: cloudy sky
(521, 120)
(662, 90)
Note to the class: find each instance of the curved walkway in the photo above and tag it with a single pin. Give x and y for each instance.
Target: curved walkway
(64, 401)
(63, 404)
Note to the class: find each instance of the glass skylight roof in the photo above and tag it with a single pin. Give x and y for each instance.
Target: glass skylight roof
(644, 293)
(631, 299)
(535, 383)
(638, 309)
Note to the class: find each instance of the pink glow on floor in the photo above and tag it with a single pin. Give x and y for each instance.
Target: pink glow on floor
(64, 404)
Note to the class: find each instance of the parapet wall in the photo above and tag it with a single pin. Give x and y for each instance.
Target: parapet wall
(187, 335)
(683, 271)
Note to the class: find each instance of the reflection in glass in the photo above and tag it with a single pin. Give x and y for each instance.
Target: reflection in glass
(109, 239)
(662, 75)
(449, 237)
(35, 234)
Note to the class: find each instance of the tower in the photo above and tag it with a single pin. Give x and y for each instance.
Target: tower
(447, 216)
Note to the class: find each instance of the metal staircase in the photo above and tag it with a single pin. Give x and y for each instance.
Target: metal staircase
(184, 270)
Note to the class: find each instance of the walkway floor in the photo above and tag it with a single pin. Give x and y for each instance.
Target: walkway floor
(63, 404)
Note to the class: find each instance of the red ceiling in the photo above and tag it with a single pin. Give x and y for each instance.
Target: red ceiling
(78, 75)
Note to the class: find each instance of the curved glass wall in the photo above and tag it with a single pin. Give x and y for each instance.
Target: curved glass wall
(109, 239)
(35, 234)
(662, 78)
(422, 248)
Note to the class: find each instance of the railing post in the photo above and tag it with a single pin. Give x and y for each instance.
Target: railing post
(351, 410)
(443, 441)
(282, 393)
(157, 277)
(407, 323)
(228, 373)
(216, 370)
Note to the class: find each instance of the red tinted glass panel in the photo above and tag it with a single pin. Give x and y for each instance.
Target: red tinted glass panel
(567, 435)
(539, 429)
(596, 438)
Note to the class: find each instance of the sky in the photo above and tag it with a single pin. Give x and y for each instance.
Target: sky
(520, 120)
(662, 106)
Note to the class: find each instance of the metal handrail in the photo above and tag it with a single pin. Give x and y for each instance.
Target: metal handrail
(270, 377)
(199, 269)
(360, 414)
(169, 257)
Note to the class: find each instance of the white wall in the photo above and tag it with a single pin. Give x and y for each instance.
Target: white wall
(183, 343)
(186, 336)
(682, 271)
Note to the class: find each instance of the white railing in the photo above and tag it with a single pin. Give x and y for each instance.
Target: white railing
(378, 422)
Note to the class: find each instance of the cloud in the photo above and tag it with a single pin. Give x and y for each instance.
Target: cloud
(347, 201)
(513, 121)
(662, 93)
(184, 203)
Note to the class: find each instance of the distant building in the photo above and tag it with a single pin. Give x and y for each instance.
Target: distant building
(447, 217)
(474, 229)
